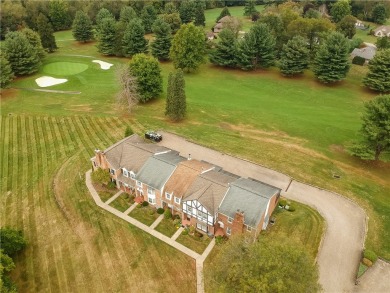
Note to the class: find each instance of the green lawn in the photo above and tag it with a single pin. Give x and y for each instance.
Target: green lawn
(166, 227)
(144, 215)
(196, 244)
(121, 203)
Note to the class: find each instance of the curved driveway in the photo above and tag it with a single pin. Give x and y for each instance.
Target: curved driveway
(339, 255)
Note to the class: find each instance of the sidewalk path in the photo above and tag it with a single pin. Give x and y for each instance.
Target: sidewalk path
(177, 233)
(155, 223)
(128, 211)
(114, 197)
(338, 257)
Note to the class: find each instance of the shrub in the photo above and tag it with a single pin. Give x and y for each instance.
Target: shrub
(167, 214)
(145, 203)
(291, 208)
(176, 222)
(185, 232)
(192, 230)
(370, 255)
(367, 262)
(151, 212)
(358, 60)
(128, 131)
(139, 206)
(282, 202)
(219, 240)
(111, 185)
(160, 211)
(176, 217)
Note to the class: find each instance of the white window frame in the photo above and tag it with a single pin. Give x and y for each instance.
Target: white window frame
(132, 175)
(230, 220)
(151, 200)
(228, 231)
(125, 172)
(202, 215)
(139, 183)
(112, 171)
(177, 199)
(249, 228)
(151, 191)
(200, 226)
(168, 196)
(189, 209)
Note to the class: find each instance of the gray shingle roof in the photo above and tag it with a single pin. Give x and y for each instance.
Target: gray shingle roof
(158, 168)
(367, 53)
(249, 196)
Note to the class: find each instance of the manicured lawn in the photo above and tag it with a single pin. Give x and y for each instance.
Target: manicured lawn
(73, 245)
(166, 227)
(196, 244)
(144, 215)
(122, 202)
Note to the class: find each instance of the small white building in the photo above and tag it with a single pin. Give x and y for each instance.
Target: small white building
(382, 31)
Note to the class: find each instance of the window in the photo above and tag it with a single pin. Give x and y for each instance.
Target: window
(189, 209)
(201, 227)
(202, 215)
(168, 195)
(230, 220)
(112, 171)
(249, 228)
(125, 173)
(132, 175)
(139, 183)
(228, 231)
(177, 200)
(151, 199)
(151, 192)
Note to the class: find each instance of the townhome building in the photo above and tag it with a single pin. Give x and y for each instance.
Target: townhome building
(205, 196)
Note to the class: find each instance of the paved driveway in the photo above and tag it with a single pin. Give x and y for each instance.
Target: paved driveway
(339, 254)
(376, 279)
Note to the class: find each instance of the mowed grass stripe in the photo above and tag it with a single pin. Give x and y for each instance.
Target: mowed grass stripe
(89, 135)
(10, 155)
(4, 156)
(69, 144)
(52, 138)
(59, 139)
(107, 130)
(96, 127)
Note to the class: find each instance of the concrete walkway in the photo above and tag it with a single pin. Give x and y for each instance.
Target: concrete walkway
(114, 197)
(338, 257)
(128, 211)
(158, 220)
(177, 233)
(199, 259)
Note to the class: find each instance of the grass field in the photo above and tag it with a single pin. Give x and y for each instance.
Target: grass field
(196, 244)
(73, 245)
(144, 215)
(296, 126)
(122, 202)
(166, 227)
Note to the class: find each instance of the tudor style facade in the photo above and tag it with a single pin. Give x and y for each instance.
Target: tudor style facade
(212, 200)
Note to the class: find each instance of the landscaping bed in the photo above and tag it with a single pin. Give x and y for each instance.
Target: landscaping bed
(146, 215)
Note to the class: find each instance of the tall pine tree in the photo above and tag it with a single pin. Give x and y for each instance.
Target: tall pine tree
(176, 105)
(6, 74)
(200, 19)
(331, 63)
(21, 55)
(225, 12)
(148, 16)
(162, 43)
(106, 35)
(378, 77)
(225, 51)
(186, 11)
(250, 7)
(82, 27)
(295, 56)
(134, 41)
(127, 14)
(35, 41)
(45, 31)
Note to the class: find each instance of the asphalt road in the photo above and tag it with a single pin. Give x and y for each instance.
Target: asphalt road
(339, 254)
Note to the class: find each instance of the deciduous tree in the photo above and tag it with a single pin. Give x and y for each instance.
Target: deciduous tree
(82, 27)
(378, 77)
(379, 13)
(173, 20)
(45, 31)
(346, 26)
(295, 56)
(163, 40)
(22, 56)
(340, 9)
(128, 96)
(134, 41)
(331, 63)
(11, 241)
(6, 74)
(226, 49)
(188, 47)
(59, 15)
(176, 105)
(266, 265)
(383, 43)
(146, 70)
(375, 129)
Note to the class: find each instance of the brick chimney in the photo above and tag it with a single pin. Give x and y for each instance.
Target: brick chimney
(238, 222)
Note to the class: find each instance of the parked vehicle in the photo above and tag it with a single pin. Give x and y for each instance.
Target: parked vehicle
(154, 136)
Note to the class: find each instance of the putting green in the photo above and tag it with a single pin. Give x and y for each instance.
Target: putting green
(64, 68)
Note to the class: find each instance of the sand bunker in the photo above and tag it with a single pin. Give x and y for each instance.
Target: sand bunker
(103, 65)
(46, 81)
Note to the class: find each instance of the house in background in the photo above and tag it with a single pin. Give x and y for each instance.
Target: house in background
(205, 196)
(382, 31)
(367, 53)
(360, 25)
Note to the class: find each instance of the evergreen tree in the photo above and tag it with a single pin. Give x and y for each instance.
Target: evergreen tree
(148, 16)
(82, 27)
(127, 14)
(188, 47)
(331, 63)
(378, 77)
(162, 43)
(134, 41)
(6, 74)
(225, 51)
(339, 10)
(176, 105)
(173, 20)
(102, 14)
(59, 15)
(295, 56)
(346, 26)
(35, 41)
(200, 19)
(225, 12)
(186, 11)
(106, 35)
(257, 48)
(45, 31)
(379, 14)
(170, 7)
(250, 7)
(383, 43)
(148, 73)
